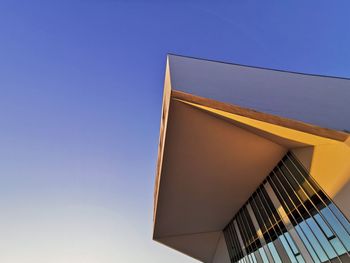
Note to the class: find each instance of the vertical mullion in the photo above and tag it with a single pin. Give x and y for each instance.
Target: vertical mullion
(272, 225)
(250, 235)
(239, 244)
(314, 190)
(252, 243)
(229, 243)
(291, 213)
(287, 221)
(295, 160)
(308, 211)
(239, 237)
(304, 219)
(245, 230)
(277, 222)
(235, 242)
(262, 222)
(255, 240)
(257, 229)
(315, 206)
(301, 229)
(244, 234)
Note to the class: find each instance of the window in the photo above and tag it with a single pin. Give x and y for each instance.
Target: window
(318, 224)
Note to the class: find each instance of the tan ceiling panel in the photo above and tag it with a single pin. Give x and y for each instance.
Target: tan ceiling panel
(209, 170)
(200, 246)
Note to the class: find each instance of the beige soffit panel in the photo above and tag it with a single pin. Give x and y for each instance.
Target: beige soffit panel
(210, 168)
(200, 246)
(221, 254)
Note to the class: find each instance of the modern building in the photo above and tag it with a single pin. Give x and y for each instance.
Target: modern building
(253, 164)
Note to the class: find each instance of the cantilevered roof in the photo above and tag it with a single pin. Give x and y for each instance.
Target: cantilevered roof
(220, 136)
(319, 100)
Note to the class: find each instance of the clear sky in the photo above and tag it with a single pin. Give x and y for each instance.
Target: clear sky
(80, 100)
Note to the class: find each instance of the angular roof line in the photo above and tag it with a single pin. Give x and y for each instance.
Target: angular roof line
(261, 116)
(314, 99)
(258, 67)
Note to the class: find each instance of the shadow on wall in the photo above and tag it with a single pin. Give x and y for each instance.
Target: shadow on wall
(329, 165)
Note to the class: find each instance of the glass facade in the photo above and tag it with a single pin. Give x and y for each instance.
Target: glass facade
(288, 219)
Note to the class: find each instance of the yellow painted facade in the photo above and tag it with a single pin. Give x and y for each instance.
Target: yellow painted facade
(330, 160)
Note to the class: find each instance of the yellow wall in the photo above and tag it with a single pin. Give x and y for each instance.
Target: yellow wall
(328, 160)
(330, 167)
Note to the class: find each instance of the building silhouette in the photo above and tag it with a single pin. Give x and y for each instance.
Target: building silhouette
(253, 164)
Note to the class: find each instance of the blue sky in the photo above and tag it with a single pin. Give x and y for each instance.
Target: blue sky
(80, 99)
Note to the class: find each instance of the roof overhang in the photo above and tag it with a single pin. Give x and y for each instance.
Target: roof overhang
(212, 155)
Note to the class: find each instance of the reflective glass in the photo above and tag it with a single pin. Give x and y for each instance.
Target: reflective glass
(263, 255)
(323, 230)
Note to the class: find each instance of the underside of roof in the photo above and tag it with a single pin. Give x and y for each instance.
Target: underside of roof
(210, 159)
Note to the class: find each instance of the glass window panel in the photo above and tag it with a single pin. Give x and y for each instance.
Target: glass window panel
(326, 235)
(287, 248)
(270, 204)
(313, 241)
(267, 208)
(338, 246)
(263, 255)
(263, 213)
(299, 178)
(302, 210)
(300, 259)
(253, 257)
(307, 244)
(228, 244)
(297, 190)
(302, 172)
(323, 226)
(321, 238)
(291, 243)
(243, 230)
(337, 227)
(254, 242)
(282, 195)
(238, 251)
(249, 224)
(257, 214)
(345, 223)
(292, 193)
(274, 253)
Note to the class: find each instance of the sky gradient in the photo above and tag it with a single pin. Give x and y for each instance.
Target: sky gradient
(80, 102)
